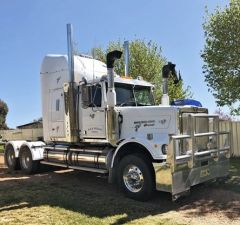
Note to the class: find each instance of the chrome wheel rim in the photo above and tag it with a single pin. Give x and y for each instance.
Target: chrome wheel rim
(10, 158)
(133, 178)
(25, 160)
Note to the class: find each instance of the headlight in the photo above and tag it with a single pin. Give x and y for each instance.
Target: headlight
(164, 149)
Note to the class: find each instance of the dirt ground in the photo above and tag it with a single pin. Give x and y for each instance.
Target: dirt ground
(1, 161)
(206, 204)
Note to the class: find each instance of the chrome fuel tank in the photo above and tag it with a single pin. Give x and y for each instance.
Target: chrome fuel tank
(73, 157)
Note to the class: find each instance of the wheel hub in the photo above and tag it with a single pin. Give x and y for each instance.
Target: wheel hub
(10, 158)
(25, 160)
(133, 178)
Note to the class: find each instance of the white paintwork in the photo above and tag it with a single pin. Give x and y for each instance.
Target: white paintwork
(56, 125)
(36, 148)
(157, 119)
(127, 80)
(149, 146)
(92, 120)
(93, 123)
(140, 122)
(54, 73)
(16, 146)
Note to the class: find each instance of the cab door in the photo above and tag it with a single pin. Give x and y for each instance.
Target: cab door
(93, 125)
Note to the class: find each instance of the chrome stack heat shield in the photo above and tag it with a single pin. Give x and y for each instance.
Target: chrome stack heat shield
(111, 98)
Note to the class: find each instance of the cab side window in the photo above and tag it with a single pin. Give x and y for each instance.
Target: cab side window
(91, 95)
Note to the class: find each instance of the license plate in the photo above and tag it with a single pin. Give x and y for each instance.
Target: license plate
(204, 173)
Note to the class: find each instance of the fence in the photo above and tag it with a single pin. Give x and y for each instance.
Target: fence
(34, 134)
(37, 133)
(234, 128)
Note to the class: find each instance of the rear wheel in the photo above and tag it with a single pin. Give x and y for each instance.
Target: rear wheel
(11, 161)
(135, 177)
(28, 165)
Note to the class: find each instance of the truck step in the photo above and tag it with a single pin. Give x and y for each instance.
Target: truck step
(54, 164)
(95, 170)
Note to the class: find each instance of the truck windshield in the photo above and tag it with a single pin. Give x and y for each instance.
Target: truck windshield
(129, 95)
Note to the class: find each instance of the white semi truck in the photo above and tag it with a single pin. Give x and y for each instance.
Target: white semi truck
(97, 121)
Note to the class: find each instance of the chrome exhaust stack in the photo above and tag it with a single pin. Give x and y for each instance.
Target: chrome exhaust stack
(111, 94)
(70, 54)
(126, 57)
(70, 92)
(111, 98)
(167, 71)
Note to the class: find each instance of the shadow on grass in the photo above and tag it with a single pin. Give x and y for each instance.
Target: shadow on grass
(232, 183)
(90, 194)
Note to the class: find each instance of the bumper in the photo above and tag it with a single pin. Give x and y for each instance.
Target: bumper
(180, 179)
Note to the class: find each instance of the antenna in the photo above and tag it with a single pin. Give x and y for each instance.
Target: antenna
(93, 63)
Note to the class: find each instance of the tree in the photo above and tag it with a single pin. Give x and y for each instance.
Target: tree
(3, 114)
(221, 55)
(224, 116)
(146, 60)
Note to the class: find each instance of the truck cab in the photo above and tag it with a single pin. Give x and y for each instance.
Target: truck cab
(91, 94)
(129, 93)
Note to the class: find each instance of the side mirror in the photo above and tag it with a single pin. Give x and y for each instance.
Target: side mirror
(84, 81)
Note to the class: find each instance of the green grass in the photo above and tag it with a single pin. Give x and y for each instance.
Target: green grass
(85, 198)
(73, 198)
(233, 182)
(1, 148)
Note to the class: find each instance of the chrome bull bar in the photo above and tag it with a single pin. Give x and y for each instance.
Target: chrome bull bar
(206, 158)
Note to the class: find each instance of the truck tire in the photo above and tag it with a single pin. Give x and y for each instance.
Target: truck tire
(27, 164)
(11, 161)
(135, 178)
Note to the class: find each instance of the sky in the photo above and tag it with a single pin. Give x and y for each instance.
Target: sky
(31, 29)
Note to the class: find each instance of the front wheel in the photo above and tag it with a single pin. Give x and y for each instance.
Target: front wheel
(135, 177)
(28, 165)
